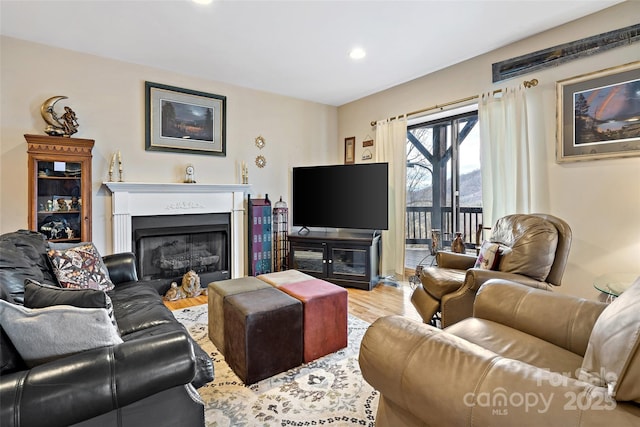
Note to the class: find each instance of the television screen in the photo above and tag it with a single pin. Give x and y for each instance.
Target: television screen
(341, 196)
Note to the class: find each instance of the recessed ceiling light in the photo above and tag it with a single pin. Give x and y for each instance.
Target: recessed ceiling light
(357, 53)
(203, 1)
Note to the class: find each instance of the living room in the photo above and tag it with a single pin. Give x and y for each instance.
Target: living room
(599, 199)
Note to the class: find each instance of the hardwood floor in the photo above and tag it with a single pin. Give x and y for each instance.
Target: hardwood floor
(383, 300)
(187, 302)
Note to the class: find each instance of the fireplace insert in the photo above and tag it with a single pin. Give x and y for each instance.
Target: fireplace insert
(167, 246)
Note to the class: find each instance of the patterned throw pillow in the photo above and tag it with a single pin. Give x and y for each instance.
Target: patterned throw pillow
(80, 267)
(489, 257)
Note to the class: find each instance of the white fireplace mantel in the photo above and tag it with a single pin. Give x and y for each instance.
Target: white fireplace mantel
(131, 199)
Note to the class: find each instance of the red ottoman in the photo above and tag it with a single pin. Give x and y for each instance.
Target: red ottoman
(324, 314)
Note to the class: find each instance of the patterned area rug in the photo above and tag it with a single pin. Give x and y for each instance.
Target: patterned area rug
(326, 391)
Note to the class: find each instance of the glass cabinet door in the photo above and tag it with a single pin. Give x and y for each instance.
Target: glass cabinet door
(60, 187)
(59, 201)
(309, 259)
(349, 261)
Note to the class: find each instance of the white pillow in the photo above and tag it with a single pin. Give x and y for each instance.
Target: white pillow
(489, 256)
(45, 334)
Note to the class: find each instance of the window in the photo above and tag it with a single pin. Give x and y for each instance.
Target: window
(444, 185)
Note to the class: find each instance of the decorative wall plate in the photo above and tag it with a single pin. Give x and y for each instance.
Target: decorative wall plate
(260, 142)
(261, 161)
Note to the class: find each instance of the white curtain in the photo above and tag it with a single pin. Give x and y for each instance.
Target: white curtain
(505, 154)
(391, 143)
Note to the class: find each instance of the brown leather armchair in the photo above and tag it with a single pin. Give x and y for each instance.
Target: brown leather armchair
(535, 250)
(526, 358)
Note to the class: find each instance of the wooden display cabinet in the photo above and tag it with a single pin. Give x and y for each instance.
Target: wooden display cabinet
(60, 187)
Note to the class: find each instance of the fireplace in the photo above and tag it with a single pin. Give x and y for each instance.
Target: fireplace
(167, 246)
(145, 215)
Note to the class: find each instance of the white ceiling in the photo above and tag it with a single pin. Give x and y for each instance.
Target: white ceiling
(294, 48)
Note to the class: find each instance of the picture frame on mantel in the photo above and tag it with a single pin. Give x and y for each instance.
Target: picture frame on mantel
(184, 120)
(598, 115)
(350, 150)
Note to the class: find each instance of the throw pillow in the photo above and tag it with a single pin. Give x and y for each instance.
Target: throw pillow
(81, 267)
(45, 334)
(38, 295)
(489, 256)
(612, 358)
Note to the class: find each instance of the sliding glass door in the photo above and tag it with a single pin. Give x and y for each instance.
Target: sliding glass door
(444, 187)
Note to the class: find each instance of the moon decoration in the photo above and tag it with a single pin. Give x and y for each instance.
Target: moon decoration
(64, 125)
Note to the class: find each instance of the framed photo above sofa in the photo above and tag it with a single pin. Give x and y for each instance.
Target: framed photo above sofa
(184, 120)
(598, 115)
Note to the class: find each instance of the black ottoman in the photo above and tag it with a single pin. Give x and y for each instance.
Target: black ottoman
(263, 333)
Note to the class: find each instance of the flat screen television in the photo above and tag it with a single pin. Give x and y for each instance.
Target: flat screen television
(341, 196)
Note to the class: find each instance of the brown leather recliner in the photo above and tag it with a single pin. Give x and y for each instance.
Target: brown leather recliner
(535, 251)
(527, 357)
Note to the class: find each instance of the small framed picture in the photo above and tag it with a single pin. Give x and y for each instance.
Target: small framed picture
(184, 120)
(597, 115)
(349, 150)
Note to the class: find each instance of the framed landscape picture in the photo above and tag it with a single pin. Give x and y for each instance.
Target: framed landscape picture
(184, 120)
(598, 115)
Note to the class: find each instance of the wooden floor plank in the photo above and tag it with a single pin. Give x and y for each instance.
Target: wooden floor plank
(383, 300)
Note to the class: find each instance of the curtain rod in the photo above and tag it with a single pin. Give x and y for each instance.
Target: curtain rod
(527, 83)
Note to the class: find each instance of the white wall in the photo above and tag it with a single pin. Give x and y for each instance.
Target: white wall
(599, 199)
(108, 97)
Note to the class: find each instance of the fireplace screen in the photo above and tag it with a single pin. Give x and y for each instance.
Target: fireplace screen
(169, 252)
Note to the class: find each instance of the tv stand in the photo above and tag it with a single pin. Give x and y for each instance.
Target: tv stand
(349, 259)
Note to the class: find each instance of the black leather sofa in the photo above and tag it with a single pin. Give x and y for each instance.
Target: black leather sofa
(149, 380)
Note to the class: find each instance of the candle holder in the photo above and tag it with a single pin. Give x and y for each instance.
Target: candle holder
(245, 173)
(111, 166)
(120, 173)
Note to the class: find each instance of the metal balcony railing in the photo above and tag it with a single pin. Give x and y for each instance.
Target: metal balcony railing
(420, 220)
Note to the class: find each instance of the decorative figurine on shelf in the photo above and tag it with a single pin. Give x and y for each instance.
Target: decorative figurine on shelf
(69, 232)
(458, 244)
(54, 228)
(62, 204)
(49, 205)
(75, 203)
(190, 288)
(65, 125)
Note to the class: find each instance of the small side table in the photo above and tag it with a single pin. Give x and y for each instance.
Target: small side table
(613, 284)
